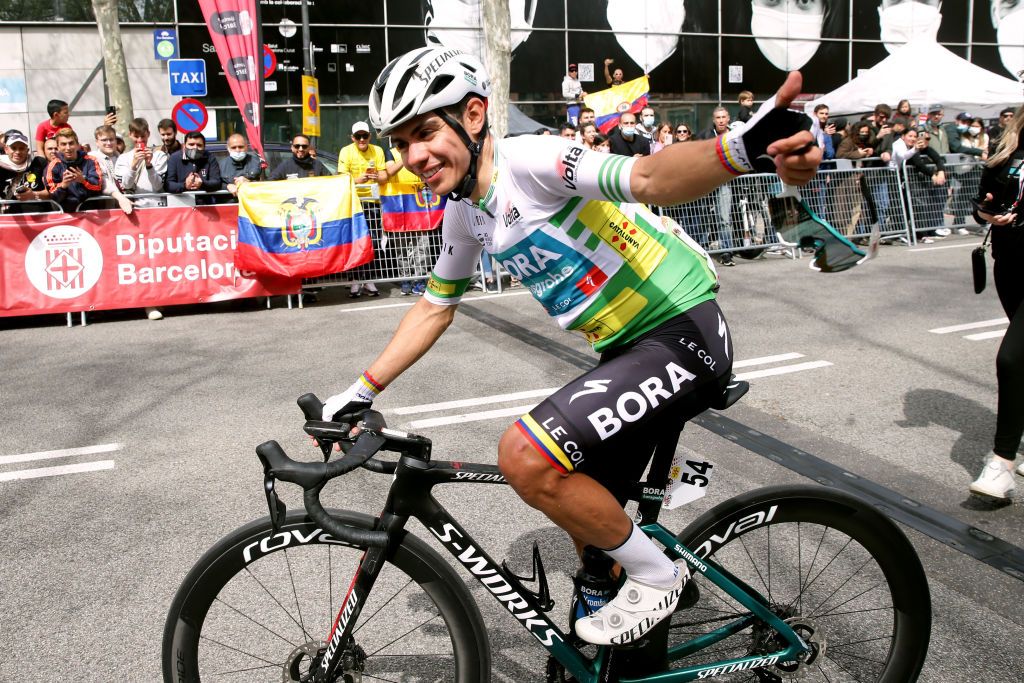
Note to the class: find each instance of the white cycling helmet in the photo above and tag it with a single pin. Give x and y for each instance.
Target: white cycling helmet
(422, 81)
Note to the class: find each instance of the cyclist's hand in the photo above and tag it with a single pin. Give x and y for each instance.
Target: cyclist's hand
(359, 396)
(777, 139)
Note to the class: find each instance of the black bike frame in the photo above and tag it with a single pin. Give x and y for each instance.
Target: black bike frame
(410, 496)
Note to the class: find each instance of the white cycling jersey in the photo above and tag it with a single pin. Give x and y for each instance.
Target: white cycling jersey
(562, 219)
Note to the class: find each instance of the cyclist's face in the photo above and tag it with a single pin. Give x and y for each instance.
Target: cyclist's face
(432, 149)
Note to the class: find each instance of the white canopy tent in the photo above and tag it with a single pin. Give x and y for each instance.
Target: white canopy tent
(925, 73)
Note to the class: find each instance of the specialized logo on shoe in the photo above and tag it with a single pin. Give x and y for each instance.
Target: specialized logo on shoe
(64, 262)
(642, 627)
(633, 405)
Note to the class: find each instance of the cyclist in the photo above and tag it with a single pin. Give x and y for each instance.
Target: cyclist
(570, 225)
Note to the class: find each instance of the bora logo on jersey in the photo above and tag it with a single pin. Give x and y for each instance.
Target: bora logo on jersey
(558, 275)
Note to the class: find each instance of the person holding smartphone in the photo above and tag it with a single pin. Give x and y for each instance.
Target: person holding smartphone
(22, 176)
(1000, 203)
(73, 176)
(141, 169)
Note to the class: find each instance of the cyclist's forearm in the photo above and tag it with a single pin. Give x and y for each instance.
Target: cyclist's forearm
(421, 327)
(679, 173)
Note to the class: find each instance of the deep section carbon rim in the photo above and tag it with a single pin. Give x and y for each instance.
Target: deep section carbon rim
(842, 575)
(260, 606)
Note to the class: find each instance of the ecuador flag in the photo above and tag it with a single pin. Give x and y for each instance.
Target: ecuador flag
(407, 204)
(609, 104)
(305, 227)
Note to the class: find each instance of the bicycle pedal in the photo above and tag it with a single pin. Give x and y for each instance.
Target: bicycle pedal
(543, 594)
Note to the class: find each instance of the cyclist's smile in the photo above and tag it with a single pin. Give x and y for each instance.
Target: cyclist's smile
(433, 151)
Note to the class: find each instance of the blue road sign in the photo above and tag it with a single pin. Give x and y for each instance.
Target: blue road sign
(189, 115)
(187, 77)
(165, 44)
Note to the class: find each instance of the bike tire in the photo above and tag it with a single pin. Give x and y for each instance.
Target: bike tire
(229, 608)
(838, 545)
(751, 254)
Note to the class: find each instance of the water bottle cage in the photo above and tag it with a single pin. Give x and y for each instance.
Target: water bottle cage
(542, 594)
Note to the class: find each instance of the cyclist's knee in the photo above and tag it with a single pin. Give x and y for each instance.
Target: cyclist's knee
(527, 471)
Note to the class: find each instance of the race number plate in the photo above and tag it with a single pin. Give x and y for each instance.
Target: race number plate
(688, 479)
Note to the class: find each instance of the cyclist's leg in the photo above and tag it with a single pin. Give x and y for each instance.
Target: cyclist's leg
(592, 424)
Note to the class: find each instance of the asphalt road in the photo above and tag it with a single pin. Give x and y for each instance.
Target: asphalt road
(97, 550)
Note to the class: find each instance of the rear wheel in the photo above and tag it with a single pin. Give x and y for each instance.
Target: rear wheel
(260, 604)
(843, 575)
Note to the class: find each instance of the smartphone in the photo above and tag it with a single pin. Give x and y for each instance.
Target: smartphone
(112, 109)
(141, 146)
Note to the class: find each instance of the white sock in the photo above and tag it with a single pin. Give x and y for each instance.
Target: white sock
(644, 561)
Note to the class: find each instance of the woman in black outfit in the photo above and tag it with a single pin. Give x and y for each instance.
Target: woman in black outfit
(1001, 203)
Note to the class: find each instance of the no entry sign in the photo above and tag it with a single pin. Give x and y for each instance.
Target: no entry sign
(189, 115)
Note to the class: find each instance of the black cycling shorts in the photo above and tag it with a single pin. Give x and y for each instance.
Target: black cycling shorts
(605, 422)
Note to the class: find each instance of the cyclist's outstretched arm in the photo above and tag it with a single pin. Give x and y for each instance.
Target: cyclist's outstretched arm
(685, 171)
(420, 328)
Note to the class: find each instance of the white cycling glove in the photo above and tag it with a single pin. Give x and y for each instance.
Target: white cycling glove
(744, 150)
(359, 396)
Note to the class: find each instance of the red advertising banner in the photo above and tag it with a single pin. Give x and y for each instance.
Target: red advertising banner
(95, 260)
(235, 34)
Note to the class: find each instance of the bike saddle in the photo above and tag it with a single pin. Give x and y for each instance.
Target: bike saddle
(734, 391)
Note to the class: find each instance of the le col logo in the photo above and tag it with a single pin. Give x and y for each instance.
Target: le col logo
(64, 262)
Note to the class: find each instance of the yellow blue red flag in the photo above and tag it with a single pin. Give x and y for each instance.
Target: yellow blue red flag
(608, 104)
(305, 227)
(407, 204)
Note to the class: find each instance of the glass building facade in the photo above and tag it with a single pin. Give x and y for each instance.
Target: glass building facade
(698, 53)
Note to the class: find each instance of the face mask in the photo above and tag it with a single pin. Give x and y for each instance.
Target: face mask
(802, 31)
(1008, 35)
(975, 130)
(902, 23)
(648, 121)
(628, 131)
(646, 29)
(961, 128)
(238, 156)
(456, 24)
(191, 154)
(865, 136)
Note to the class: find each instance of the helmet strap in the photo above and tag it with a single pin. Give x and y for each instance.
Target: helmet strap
(468, 183)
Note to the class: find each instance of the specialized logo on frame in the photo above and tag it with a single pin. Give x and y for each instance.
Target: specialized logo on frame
(64, 262)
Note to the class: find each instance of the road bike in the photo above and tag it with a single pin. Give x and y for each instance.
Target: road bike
(787, 582)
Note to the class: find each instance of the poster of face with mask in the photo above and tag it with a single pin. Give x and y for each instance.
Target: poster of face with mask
(786, 35)
(788, 32)
(898, 22)
(1008, 20)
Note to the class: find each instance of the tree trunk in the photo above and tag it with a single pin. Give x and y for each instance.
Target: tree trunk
(498, 55)
(113, 61)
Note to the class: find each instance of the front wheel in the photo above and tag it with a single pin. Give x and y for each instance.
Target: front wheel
(260, 604)
(842, 574)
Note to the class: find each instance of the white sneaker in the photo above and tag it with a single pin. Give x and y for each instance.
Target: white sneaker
(963, 231)
(633, 612)
(996, 478)
(943, 232)
(154, 314)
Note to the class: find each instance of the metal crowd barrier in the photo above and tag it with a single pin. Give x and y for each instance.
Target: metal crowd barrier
(946, 206)
(14, 207)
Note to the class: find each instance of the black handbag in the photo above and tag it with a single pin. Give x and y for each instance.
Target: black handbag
(978, 266)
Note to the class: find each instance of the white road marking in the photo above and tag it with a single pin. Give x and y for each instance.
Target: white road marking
(970, 326)
(472, 417)
(55, 471)
(482, 400)
(62, 453)
(516, 411)
(784, 370)
(944, 246)
(985, 335)
(764, 360)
